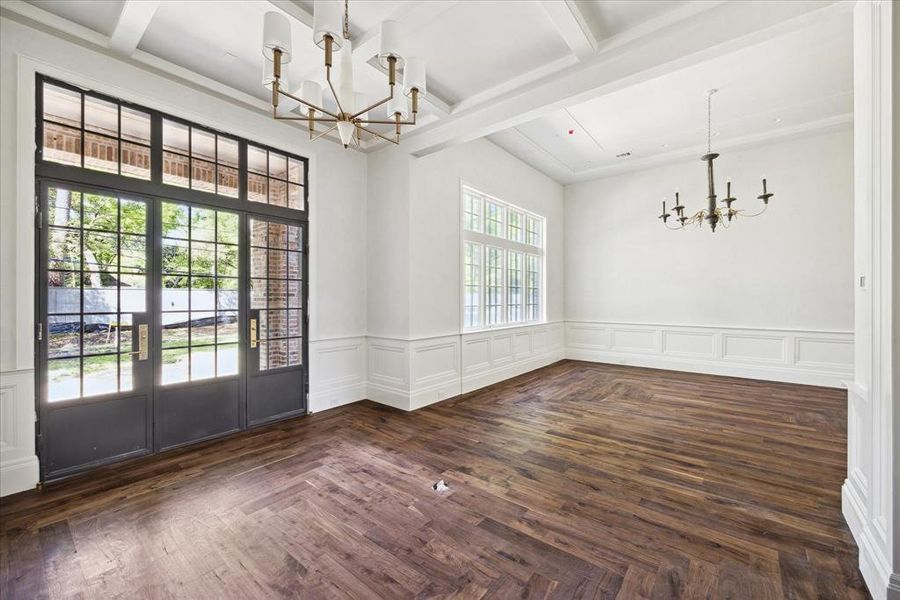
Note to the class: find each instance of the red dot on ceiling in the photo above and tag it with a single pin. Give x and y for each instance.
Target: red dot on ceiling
(571, 132)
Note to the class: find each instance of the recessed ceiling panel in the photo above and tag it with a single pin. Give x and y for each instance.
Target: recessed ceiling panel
(607, 18)
(563, 137)
(784, 82)
(481, 43)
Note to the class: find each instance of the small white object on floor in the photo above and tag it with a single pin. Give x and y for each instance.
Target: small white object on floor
(440, 486)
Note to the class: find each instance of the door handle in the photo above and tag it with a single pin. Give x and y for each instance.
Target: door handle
(143, 342)
(253, 337)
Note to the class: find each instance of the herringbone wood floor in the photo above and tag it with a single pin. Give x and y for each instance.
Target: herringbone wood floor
(574, 481)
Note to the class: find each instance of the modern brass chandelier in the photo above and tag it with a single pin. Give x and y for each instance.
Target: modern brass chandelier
(713, 213)
(331, 33)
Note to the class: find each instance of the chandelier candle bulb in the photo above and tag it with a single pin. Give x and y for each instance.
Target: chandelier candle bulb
(327, 23)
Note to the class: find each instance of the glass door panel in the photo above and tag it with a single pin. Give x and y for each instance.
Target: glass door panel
(94, 303)
(198, 322)
(277, 319)
(199, 293)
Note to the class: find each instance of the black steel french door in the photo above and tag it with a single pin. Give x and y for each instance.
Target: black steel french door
(95, 375)
(162, 323)
(276, 357)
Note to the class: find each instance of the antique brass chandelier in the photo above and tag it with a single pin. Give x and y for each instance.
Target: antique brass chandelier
(331, 33)
(713, 213)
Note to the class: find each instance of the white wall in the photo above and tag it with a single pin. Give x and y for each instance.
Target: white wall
(770, 297)
(869, 496)
(436, 217)
(337, 239)
(417, 354)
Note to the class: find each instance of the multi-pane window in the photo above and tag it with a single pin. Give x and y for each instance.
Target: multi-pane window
(503, 255)
(274, 178)
(513, 286)
(515, 231)
(199, 159)
(472, 285)
(494, 286)
(471, 210)
(493, 218)
(276, 292)
(199, 300)
(87, 131)
(96, 281)
(532, 287)
(533, 231)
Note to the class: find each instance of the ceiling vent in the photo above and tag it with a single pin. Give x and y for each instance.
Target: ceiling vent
(623, 155)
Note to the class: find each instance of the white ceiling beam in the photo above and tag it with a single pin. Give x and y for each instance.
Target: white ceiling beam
(572, 26)
(725, 27)
(131, 25)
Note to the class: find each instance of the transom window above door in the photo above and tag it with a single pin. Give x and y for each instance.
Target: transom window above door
(82, 129)
(503, 263)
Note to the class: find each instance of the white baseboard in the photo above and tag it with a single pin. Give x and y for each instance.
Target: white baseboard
(393, 397)
(874, 566)
(502, 373)
(794, 356)
(19, 467)
(336, 396)
(19, 475)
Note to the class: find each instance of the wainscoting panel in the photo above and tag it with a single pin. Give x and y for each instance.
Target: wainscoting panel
(796, 356)
(19, 470)
(493, 356)
(435, 369)
(337, 372)
(411, 374)
(388, 371)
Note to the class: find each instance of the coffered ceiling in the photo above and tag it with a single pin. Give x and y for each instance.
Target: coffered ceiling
(622, 75)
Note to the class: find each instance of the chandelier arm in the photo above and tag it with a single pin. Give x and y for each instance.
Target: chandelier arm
(380, 122)
(375, 133)
(324, 133)
(331, 87)
(741, 213)
(307, 119)
(307, 104)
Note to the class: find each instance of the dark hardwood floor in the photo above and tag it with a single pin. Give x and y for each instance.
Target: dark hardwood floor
(574, 481)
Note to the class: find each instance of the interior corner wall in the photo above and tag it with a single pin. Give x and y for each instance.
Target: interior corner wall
(431, 359)
(337, 228)
(770, 297)
(870, 501)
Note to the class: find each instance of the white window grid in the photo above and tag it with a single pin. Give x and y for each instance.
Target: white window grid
(503, 279)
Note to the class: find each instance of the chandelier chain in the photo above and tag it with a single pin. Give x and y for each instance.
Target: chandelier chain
(709, 123)
(346, 19)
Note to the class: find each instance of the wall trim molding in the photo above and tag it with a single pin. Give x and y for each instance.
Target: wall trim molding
(811, 357)
(19, 467)
(873, 564)
(823, 126)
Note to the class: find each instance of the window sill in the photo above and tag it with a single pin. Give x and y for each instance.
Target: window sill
(504, 327)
